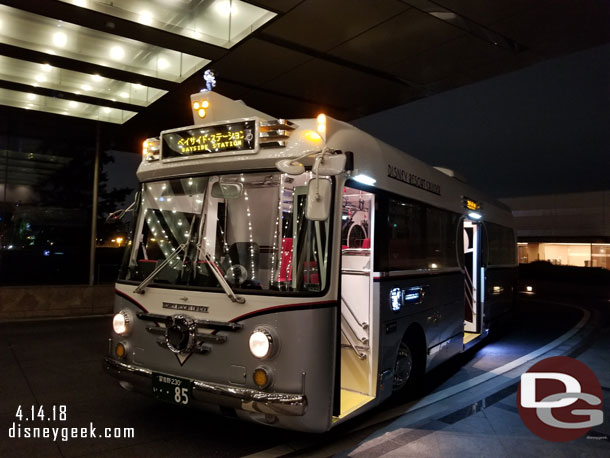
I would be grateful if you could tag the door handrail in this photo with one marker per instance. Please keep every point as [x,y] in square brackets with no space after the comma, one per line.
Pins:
[356,271]
[364,325]
[351,344]
[364,339]
[469,302]
[467,278]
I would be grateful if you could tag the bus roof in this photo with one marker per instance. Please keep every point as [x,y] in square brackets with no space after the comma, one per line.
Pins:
[393,170]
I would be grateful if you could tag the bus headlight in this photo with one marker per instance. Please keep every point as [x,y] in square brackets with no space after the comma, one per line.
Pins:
[122,322]
[261,343]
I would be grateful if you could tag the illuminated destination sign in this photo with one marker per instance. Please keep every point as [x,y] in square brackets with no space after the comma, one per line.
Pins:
[470,204]
[237,136]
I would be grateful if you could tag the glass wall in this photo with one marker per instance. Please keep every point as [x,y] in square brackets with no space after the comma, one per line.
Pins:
[46,181]
[566,254]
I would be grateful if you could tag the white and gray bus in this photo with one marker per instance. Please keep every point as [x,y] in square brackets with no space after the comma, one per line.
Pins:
[297,273]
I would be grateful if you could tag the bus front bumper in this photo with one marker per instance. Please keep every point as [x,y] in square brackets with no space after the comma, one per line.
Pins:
[212,393]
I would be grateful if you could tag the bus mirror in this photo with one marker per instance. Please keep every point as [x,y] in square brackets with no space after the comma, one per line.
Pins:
[290,166]
[115,217]
[318,199]
[227,190]
[118,215]
[330,165]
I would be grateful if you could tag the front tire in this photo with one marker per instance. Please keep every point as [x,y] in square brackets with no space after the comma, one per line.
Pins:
[403,368]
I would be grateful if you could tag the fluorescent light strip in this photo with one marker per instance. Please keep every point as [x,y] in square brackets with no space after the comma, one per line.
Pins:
[63,107]
[47,76]
[220,23]
[50,36]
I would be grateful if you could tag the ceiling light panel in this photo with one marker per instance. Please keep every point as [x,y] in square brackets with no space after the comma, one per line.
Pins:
[65,107]
[47,76]
[39,33]
[218,22]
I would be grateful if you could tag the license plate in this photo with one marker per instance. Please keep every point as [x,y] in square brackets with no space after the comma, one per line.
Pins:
[172,389]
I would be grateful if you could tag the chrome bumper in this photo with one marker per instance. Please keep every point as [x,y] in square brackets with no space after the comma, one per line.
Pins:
[213,393]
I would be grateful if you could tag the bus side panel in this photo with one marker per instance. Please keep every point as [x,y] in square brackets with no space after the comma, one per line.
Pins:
[438,314]
[499,294]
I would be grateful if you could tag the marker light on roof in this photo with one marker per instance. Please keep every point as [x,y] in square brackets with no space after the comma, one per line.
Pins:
[321,123]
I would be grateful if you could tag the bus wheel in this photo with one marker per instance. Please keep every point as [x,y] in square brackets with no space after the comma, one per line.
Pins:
[403,367]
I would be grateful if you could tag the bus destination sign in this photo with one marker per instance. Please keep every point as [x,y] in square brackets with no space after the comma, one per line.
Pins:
[236,136]
[471,204]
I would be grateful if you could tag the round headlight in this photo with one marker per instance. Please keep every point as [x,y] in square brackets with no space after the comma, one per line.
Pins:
[261,343]
[122,322]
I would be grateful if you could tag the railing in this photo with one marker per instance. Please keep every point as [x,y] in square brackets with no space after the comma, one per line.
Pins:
[364,325]
[469,291]
[360,351]
[361,355]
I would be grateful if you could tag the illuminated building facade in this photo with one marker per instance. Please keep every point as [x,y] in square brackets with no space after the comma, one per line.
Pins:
[564,229]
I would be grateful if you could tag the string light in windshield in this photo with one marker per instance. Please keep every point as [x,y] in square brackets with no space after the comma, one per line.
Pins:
[253,275]
[277,229]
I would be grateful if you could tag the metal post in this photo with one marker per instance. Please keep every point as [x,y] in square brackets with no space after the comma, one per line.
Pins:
[96,179]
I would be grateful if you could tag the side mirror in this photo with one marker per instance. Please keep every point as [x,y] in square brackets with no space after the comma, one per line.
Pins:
[118,215]
[227,190]
[115,217]
[290,166]
[329,164]
[318,199]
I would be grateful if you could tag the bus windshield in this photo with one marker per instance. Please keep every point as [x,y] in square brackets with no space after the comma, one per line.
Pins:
[252,226]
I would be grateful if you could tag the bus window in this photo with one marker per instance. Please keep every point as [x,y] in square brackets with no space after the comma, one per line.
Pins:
[413,235]
[259,237]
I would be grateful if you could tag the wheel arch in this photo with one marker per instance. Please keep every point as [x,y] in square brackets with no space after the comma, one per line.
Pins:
[415,337]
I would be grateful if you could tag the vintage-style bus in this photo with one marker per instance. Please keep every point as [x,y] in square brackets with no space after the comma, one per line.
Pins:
[297,273]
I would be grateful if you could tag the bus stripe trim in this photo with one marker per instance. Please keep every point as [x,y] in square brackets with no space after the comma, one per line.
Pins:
[284,308]
[129,299]
[416,275]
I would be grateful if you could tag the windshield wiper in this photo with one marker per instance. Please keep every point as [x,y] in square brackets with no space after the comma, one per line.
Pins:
[159,268]
[221,279]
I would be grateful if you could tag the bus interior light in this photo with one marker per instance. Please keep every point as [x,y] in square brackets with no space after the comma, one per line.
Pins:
[474,215]
[365,179]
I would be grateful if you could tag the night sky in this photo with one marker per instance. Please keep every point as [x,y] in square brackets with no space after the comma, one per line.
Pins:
[541,130]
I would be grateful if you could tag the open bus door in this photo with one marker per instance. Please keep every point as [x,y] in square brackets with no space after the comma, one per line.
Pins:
[358,331]
[474,279]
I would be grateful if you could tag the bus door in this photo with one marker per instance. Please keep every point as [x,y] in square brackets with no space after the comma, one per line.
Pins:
[473,280]
[358,355]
